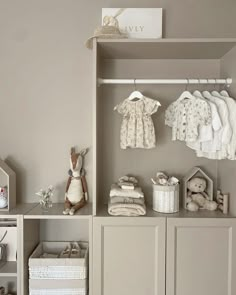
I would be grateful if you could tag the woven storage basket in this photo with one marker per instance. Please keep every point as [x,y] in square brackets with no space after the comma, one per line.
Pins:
[49,276]
[166,198]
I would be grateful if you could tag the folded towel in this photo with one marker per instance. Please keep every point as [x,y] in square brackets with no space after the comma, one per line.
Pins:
[116,191]
[126,200]
[125,186]
[123,209]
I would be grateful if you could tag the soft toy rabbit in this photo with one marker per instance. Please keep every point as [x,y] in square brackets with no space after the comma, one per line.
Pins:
[76,194]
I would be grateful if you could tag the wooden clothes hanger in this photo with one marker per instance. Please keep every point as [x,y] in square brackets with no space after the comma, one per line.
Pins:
[135,93]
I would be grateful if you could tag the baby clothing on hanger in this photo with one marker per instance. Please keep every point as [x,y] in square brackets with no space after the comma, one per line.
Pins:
[185,116]
[224,135]
[137,129]
[209,139]
[231,103]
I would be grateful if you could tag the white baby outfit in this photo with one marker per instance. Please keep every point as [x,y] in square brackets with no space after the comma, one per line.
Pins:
[231,104]
[225,133]
[206,122]
[137,129]
[209,134]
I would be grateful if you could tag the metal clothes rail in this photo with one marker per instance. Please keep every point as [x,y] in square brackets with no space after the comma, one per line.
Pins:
[211,81]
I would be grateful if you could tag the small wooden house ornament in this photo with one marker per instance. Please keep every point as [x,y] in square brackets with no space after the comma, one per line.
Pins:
[223,202]
[8,181]
[197,172]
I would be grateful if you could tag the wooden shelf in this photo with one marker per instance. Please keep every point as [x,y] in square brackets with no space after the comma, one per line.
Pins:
[208,48]
[56,212]
[19,209]
[102,212]
[8,269]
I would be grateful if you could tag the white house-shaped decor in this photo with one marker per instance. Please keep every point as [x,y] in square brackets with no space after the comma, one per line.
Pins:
[197,172]
[8,180]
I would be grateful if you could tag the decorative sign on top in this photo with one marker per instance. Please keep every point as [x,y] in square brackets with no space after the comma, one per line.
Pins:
[136,22]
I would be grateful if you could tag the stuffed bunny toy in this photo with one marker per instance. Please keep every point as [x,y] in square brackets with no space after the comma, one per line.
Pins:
[76,194]
[197,198]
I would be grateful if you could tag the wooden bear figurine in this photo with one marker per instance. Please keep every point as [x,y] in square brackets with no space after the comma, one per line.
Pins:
[76,194]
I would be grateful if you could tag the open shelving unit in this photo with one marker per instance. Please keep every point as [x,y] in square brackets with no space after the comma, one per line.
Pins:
[126,59]
[142,59]
[41,226]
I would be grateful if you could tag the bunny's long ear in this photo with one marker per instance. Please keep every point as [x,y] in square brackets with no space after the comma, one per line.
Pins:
[72,150]
[84,152]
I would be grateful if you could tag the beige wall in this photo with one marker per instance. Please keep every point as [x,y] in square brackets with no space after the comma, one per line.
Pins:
[45,77]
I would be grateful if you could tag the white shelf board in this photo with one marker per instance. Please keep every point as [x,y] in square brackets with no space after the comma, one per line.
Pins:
[56,212]
[22,208]
[8,269]
[102,212]
[207,48]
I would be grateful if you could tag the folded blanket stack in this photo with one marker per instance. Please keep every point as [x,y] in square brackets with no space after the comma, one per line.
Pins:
[126,198]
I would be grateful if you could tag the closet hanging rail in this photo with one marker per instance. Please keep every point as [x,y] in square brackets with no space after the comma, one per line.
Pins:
[227,81]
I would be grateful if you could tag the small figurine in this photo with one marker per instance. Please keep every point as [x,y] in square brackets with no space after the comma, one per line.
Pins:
[76,194]
[223,202]
[3,197]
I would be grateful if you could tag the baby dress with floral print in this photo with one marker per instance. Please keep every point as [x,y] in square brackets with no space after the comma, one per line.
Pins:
[137,129]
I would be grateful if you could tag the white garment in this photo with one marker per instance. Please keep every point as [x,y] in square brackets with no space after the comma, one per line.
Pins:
[225,133]
[231,103]
[209,132]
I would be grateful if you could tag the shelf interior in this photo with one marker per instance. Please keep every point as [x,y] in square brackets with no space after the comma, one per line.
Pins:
[8,269]
[165,48]
[56,212]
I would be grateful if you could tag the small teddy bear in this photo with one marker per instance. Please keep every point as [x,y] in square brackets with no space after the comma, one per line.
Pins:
[197,198]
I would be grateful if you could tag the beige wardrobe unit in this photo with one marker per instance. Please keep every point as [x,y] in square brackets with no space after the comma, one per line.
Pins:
[201,256]
[129,256]
[179,254]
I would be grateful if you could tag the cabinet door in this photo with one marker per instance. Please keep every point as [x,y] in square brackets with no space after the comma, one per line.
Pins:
[201,256]
[129,256]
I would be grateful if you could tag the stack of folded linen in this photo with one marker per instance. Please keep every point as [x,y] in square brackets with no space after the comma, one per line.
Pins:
[126,198]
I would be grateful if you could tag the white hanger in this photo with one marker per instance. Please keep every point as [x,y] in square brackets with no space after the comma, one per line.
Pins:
[198,93]
[186,94]
[135,93]
[207,94]
[216,93]
[224,93]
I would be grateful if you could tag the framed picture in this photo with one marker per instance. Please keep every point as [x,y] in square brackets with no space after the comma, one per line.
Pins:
[137,22]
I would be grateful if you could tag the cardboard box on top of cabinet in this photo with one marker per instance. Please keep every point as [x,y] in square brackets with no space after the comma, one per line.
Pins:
[137,22]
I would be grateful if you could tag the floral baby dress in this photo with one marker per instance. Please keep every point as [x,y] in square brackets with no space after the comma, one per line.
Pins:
[137,129]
